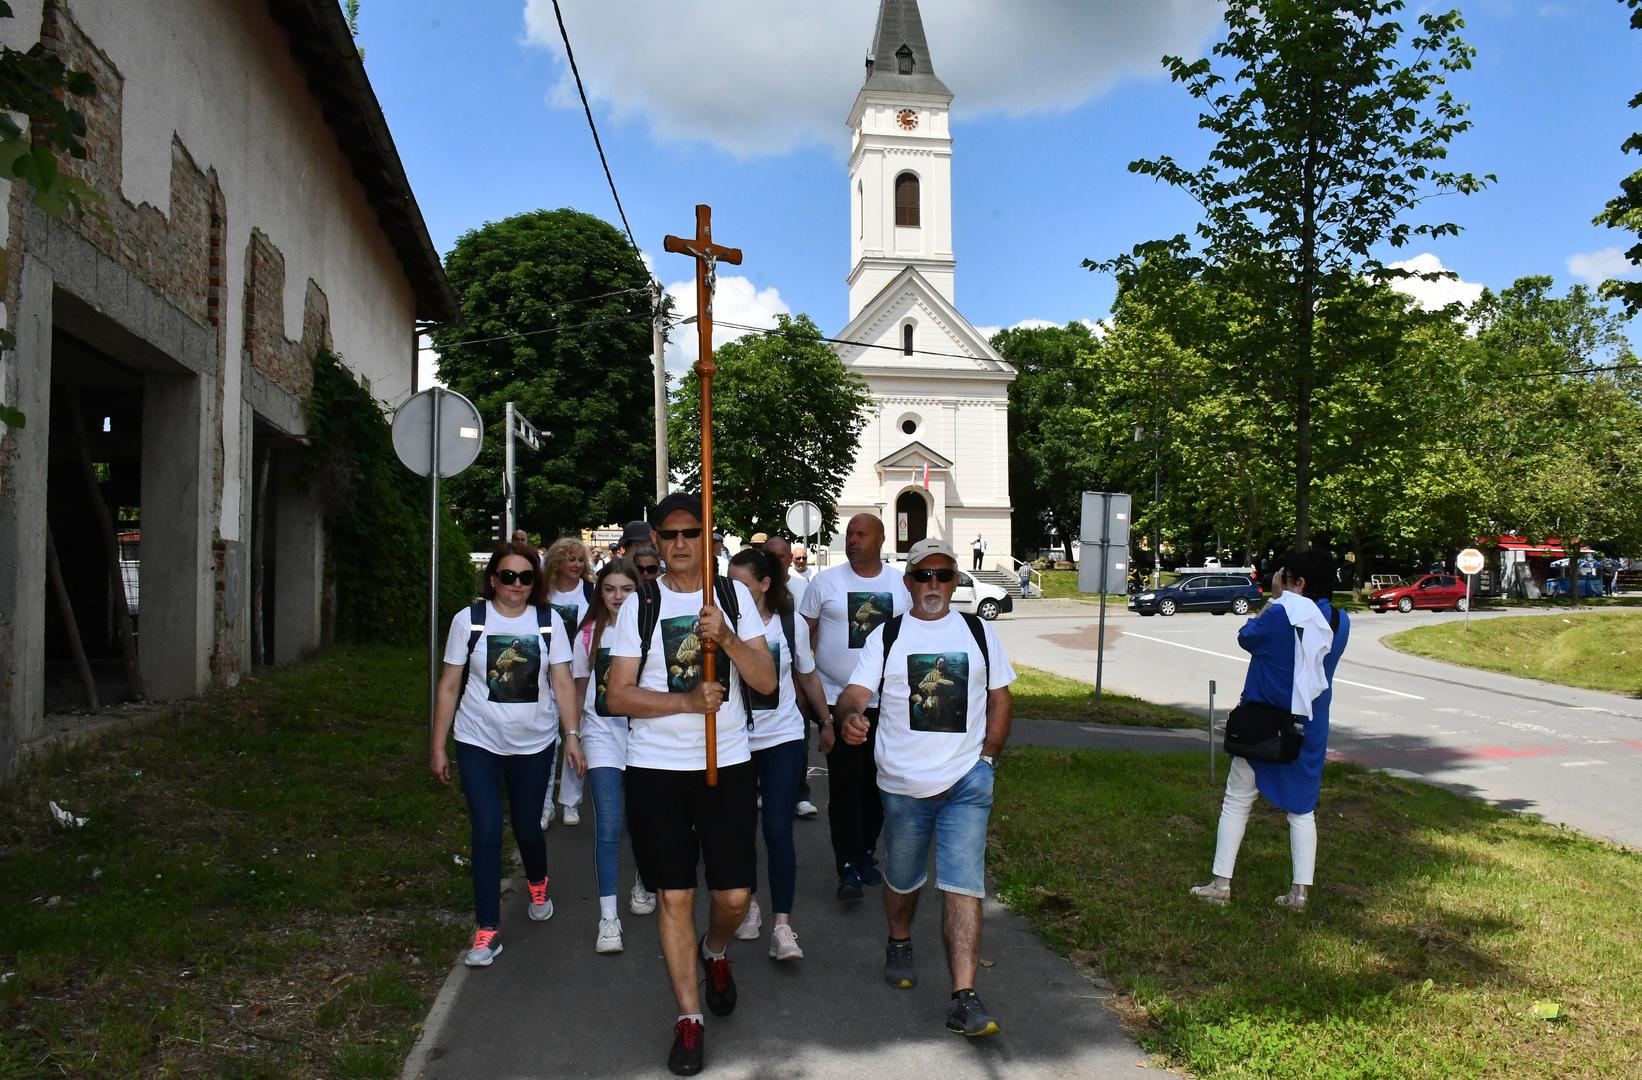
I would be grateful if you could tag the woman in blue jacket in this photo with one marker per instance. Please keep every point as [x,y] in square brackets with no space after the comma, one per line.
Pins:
[1269,638]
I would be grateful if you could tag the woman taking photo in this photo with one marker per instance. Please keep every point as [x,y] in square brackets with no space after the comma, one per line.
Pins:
[1294,645]
[507,664]
[604,748]
[570,593]
[776,739]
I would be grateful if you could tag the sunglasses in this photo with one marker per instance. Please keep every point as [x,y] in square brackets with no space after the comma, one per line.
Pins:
[649,569]
[926,576]
[522,577]
[674,534]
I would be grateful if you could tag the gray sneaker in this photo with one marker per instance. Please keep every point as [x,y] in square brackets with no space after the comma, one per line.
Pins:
[898,969]
[968,1016]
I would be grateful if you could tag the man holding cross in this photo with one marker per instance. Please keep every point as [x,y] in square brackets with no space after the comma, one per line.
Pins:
[676,815]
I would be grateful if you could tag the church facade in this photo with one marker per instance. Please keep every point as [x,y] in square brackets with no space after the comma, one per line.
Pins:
[934,456]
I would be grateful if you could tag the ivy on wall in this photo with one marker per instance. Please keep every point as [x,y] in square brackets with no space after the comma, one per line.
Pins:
[376,518]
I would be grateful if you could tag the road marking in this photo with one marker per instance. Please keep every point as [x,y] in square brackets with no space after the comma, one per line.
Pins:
[1244,660]
[1579,764]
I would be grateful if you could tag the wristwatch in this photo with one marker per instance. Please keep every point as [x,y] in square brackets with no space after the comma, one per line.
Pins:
[577,734]
[991,762]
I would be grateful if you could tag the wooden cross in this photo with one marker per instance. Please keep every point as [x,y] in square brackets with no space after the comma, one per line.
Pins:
[707,256]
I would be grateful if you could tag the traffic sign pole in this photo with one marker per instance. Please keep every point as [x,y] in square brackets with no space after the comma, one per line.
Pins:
[1470,562]
[433,562]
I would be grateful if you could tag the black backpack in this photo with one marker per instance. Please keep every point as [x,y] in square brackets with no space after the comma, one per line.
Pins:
[977,630]
[476,617]
[649,601]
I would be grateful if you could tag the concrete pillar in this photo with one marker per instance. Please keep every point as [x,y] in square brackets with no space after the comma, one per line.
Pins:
[178,589]
[26,376]
[298,549]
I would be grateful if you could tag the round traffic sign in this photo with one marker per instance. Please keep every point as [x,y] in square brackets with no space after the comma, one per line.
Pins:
[804,519]
[1470,561]
[461,432]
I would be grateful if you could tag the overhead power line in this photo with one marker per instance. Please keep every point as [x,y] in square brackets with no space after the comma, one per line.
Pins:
[570,55]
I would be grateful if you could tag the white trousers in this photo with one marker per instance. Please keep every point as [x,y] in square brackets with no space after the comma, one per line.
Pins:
[1241,791]
[569,788]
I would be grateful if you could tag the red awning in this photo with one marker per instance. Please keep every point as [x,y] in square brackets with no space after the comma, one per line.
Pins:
[1548,546]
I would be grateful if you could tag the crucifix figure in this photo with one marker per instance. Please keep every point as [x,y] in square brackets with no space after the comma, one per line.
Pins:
[707,255]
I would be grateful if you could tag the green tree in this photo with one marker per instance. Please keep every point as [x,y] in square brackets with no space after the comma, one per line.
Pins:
[787,420]
[555,318]
[1330,128]
[1624,211]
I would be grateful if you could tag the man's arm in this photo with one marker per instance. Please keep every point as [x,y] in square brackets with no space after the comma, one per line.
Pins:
[852,720]
[628,699]
[1000,715]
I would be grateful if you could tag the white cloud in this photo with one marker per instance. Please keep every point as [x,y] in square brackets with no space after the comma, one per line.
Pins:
[737,300]
[1097,327]
[1433,295]
[763,76]
[427,364]
[1598,266]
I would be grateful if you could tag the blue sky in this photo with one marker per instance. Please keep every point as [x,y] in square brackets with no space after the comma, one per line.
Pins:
[1053,98]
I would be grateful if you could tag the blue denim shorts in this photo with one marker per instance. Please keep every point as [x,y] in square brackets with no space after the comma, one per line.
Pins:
[956,820]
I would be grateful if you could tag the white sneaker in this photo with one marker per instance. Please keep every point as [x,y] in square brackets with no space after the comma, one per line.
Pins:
[572,815]
[784,943]
[541,905]
[609,936]
[547,814]
[748,930]
[485,949]
[805,809]
[641,901]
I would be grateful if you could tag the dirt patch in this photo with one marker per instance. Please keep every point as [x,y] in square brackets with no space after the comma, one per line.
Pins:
[1084,637]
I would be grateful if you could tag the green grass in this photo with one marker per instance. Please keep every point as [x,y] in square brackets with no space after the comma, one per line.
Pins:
[266,886]
[1436,924]
[1597,652]
[1040,695]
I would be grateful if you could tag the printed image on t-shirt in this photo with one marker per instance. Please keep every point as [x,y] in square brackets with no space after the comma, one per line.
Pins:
[685,657]
[867,611]
[513,667]
[772,699]
[567,614]
[601,682]
[940,691]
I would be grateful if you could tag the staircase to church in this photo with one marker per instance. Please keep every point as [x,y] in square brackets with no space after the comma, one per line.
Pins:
[1003,579]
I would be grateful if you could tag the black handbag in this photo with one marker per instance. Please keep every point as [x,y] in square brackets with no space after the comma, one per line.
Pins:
[1261,732]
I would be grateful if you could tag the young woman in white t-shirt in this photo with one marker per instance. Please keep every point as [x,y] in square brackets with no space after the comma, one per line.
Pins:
[777,741]
[569,580]
[604,747]
[497,690]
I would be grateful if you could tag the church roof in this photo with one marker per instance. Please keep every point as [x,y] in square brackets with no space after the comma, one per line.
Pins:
[912,456]
[863,344]
[899,60]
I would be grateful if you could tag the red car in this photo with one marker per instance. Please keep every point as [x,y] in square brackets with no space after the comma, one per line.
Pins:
[1427,591]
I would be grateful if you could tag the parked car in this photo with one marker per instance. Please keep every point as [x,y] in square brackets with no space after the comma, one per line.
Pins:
[1218,593]
[1426,591]
[975,597]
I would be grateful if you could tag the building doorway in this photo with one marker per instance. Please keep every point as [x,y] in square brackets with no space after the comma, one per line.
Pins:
[911,520]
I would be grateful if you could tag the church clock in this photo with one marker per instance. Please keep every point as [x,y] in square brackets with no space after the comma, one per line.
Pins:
[907,119]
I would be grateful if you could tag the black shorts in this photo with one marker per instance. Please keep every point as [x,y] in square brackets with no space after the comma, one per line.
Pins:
[676,819]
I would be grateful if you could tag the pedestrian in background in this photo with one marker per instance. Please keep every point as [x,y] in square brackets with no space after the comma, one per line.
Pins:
[570,584]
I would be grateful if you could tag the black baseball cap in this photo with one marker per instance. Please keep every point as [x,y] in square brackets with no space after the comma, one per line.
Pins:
[636,531]
[678,500]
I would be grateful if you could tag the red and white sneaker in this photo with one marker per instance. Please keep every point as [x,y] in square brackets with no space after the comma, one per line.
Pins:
[541,907]
[484,950]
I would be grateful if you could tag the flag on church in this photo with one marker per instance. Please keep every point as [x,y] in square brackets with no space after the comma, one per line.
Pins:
[926,475]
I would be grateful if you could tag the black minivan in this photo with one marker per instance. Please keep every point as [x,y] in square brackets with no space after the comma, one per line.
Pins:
[1218,593]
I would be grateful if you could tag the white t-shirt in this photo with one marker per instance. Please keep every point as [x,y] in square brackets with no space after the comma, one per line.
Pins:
[604,734]
[849,607]
[678,741]
[776,718]
[932,721]
[798,586]
[570,606]
[507,706]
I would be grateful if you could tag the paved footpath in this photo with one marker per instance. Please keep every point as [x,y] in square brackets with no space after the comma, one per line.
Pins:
[551,1007]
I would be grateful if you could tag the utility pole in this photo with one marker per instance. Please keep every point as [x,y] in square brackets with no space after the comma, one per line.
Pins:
[524,429]
[658,347]
[1156,435]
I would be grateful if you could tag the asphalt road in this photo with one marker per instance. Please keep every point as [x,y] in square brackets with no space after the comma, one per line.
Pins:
[1571,756]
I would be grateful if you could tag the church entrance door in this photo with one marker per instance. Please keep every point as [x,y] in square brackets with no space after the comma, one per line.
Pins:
[911,520]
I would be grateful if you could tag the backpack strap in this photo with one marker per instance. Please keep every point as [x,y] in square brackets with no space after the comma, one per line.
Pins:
[977,630]
[587,592]
[476,624]
[892,630]
[649,601]
[789,630]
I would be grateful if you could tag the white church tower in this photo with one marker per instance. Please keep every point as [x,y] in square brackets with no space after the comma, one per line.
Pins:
[934,457]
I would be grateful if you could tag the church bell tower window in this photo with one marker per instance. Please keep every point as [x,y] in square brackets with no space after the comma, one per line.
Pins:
[906,201]
[906,340]
[903,60]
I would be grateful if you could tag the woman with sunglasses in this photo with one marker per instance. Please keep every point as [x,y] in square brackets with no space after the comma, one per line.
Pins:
[647,561]
[604,747]
[570,585]
[507,663]
[776,739]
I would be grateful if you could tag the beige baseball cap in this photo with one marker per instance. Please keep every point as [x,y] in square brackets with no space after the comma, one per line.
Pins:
[758,538]
[923,549]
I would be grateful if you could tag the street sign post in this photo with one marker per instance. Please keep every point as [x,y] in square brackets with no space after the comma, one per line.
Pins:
[1104,532]
[515,425]
[803,519]
[436,433]
[1470,563]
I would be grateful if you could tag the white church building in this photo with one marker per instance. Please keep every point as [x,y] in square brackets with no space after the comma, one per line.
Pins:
[934,456]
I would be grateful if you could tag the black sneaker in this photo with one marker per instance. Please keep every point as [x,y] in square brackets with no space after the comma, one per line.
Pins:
[720,983]
[967,1016]
[870,874]
[898,969]
[688,1039]
[849,883]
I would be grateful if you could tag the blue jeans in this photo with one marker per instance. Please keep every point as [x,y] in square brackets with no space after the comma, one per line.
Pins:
[779,769]
[527,777]
[605,787]
[956,820]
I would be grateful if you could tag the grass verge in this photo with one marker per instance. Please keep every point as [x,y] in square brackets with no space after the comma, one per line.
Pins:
[1040,695]
[1437,924]
[265,888]
[1597,652]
